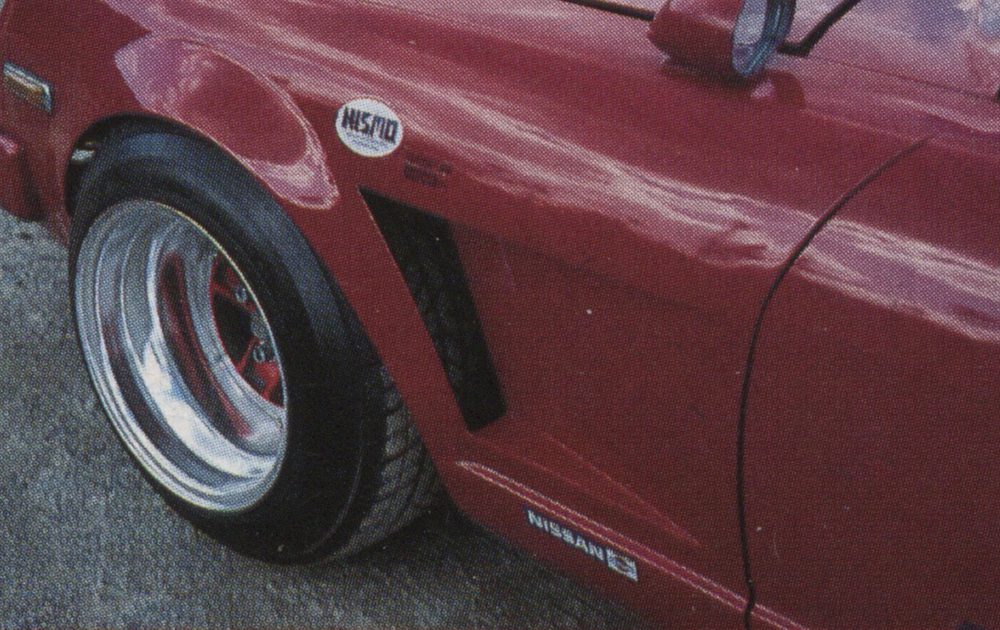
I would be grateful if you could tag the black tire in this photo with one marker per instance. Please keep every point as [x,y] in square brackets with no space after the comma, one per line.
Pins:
[354,470]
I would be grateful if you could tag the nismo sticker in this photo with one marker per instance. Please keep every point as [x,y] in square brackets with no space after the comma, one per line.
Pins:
[614,560]
[369,128]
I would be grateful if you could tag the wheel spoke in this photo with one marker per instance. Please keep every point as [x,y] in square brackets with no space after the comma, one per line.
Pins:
[226,285]
[245,362]
[262,374]
[270,376]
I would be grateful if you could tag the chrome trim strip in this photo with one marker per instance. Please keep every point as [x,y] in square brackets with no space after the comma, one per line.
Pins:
[28,87]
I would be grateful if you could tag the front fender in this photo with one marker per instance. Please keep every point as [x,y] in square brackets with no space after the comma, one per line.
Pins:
[246,114]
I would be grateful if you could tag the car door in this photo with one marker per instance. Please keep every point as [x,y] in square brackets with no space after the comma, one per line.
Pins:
[871,429]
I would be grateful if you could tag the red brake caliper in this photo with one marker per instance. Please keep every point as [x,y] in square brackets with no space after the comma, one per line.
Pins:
[255,361]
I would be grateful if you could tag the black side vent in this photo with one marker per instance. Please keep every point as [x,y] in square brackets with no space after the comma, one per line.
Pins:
[423,247]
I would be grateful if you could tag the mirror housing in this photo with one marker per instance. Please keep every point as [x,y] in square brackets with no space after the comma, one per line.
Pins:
[730,38]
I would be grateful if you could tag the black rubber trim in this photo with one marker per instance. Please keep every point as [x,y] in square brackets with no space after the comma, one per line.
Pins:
[803,47]
[616,8]
[752,357]
[473,380]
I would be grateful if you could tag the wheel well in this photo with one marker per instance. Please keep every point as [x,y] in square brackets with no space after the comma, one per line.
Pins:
[90,142]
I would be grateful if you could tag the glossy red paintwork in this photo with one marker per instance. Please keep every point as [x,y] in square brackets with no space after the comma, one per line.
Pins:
[621,221]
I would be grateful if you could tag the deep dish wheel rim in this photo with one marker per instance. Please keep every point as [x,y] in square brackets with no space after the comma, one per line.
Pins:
[160,330]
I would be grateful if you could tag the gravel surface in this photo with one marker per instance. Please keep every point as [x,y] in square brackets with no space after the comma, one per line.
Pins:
[84,542]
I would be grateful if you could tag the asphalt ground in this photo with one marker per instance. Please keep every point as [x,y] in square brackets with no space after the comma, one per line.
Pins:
[84,541]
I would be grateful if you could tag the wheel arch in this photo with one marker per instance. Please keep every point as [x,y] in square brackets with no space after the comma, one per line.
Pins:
[92,139]
[192,90]
[477,406]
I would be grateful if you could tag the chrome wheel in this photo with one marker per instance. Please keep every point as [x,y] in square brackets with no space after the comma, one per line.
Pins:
[182,355]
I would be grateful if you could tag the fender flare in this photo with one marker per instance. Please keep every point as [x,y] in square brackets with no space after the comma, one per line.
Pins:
[194,87]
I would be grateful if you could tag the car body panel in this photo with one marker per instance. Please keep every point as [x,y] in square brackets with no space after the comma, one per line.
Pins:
[621,221]
[882,345]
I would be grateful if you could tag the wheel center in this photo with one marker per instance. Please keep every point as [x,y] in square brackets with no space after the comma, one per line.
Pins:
[243,331]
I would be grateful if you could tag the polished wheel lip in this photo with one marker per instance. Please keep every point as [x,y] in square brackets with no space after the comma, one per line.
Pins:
[146,374]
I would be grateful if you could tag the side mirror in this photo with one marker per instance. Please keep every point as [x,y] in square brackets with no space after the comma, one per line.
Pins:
[732,38]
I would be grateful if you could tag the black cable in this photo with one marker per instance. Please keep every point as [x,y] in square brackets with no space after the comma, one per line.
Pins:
[803,47]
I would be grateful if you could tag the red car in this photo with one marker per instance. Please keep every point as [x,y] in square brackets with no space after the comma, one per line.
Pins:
[698,302]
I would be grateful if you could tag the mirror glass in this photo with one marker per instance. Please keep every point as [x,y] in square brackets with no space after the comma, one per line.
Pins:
[760,29]
[748,34]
